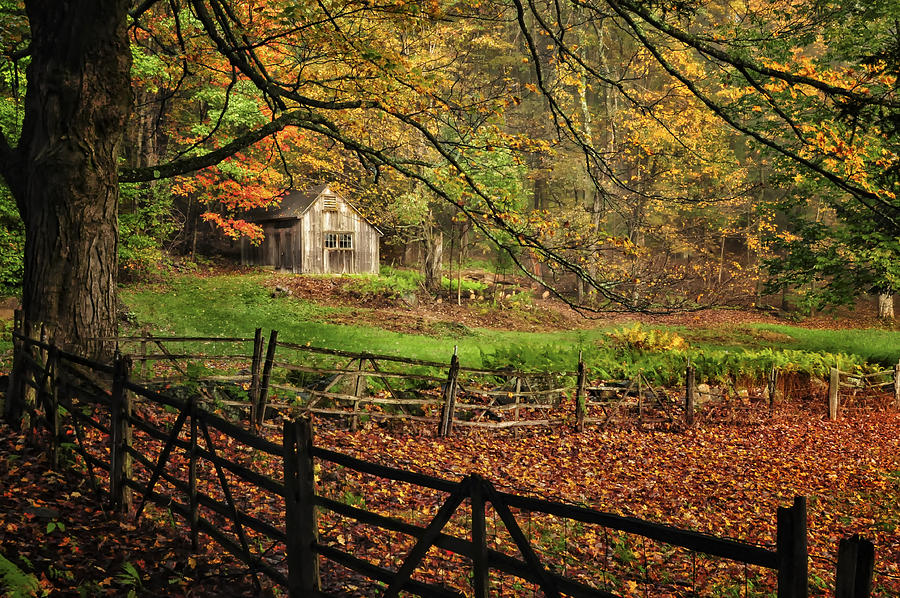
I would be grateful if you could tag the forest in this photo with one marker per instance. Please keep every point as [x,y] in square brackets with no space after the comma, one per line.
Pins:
[631,156]
[632,333]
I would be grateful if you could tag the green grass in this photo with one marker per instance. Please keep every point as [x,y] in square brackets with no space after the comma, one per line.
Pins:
[238,304]
[871,344]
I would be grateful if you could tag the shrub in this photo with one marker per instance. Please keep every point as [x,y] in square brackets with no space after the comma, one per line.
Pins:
[391,282]
[640,339]
[145,223]
[12,244]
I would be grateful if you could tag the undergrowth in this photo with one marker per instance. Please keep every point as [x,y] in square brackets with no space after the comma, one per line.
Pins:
[238,304]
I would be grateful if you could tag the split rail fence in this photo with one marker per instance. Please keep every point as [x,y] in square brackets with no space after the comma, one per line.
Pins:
[274,377]
[847,390]
[265,507]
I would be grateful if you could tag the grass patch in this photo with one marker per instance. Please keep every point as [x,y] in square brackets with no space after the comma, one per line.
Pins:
[870,344]
[238,304]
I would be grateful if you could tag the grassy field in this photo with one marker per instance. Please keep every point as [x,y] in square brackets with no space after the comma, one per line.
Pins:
[236,304]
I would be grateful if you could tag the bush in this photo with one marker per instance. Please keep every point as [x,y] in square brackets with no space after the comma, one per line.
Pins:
[637,338]
[468,286]
[12,244]
[390,282]
[145,224]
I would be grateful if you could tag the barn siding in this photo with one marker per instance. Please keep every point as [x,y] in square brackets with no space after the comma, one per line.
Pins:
[300,247]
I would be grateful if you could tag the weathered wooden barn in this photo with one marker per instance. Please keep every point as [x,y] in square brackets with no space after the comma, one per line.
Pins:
[313,232]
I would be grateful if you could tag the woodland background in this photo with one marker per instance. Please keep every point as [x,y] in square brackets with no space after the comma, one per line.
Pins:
[670,155]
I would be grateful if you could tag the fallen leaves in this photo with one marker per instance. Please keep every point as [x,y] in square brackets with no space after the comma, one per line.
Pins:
[53,528]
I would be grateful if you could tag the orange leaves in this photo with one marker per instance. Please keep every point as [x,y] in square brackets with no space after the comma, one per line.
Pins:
[235,228]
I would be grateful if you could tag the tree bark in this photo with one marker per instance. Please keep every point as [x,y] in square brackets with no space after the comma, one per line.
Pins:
[76,107]
[886,306]
[433,244]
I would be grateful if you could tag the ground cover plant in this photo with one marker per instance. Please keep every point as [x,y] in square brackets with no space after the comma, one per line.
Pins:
[726,479]
[339,313]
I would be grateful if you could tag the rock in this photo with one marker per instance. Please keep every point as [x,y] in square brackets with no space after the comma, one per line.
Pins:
[703,393]
[410,299]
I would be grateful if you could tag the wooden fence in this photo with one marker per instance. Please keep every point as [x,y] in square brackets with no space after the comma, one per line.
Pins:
[853,387]
[286,378]
[137,440]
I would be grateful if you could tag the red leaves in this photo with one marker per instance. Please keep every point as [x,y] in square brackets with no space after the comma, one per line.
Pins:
[52,526]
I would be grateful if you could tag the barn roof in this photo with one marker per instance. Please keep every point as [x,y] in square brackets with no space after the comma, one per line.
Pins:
[293,204]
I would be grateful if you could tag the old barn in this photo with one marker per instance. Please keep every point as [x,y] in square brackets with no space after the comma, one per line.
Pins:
[313,232]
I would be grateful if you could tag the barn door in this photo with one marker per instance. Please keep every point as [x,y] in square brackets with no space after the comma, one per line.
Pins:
[339,261]
[279,251]
[287,251]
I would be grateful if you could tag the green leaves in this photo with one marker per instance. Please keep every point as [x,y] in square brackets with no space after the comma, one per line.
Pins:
[15,582]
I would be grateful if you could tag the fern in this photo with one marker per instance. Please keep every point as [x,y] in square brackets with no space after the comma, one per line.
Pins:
[14,582]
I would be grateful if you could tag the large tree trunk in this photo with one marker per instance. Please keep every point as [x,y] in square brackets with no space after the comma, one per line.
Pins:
[886,306]
[76,107]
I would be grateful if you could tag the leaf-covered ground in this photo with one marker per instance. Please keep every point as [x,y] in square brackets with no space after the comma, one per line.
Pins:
[54,530]
[724,479]
[727,480]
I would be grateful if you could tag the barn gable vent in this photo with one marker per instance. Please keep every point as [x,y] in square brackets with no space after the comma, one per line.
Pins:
[329,202]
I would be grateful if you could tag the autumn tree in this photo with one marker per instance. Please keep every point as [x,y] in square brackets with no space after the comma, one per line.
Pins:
[334,69]
[788,77]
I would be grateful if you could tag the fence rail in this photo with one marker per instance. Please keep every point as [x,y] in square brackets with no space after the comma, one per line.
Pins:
[165,450]
[850,386]
[283,378]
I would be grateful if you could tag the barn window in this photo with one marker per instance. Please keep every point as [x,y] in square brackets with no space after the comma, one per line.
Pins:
[338,240]
[329,203]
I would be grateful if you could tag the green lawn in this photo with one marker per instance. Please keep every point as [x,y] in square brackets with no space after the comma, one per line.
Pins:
[228,305]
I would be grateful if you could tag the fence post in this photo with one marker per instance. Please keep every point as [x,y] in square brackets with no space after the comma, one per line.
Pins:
[793,558]
[300,512]
[143,370]
[897,386]
[690,389]
[120,437]
[358,389]
[481,571]
[855,565]
[264,382]
[773,384]
[12,406]
[580,395]
[51,403]
[450,396]
[254,372]
[834,383]
[193,503]
[517,398]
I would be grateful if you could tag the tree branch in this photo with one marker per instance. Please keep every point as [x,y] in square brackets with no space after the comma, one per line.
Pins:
[876,205]
[622,5]
[177,167]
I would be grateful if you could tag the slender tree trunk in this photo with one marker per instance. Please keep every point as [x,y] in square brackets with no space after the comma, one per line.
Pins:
[433,243]
[886,306]
[76,106]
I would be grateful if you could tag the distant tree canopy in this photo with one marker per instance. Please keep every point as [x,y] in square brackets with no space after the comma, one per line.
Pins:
[652,134]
